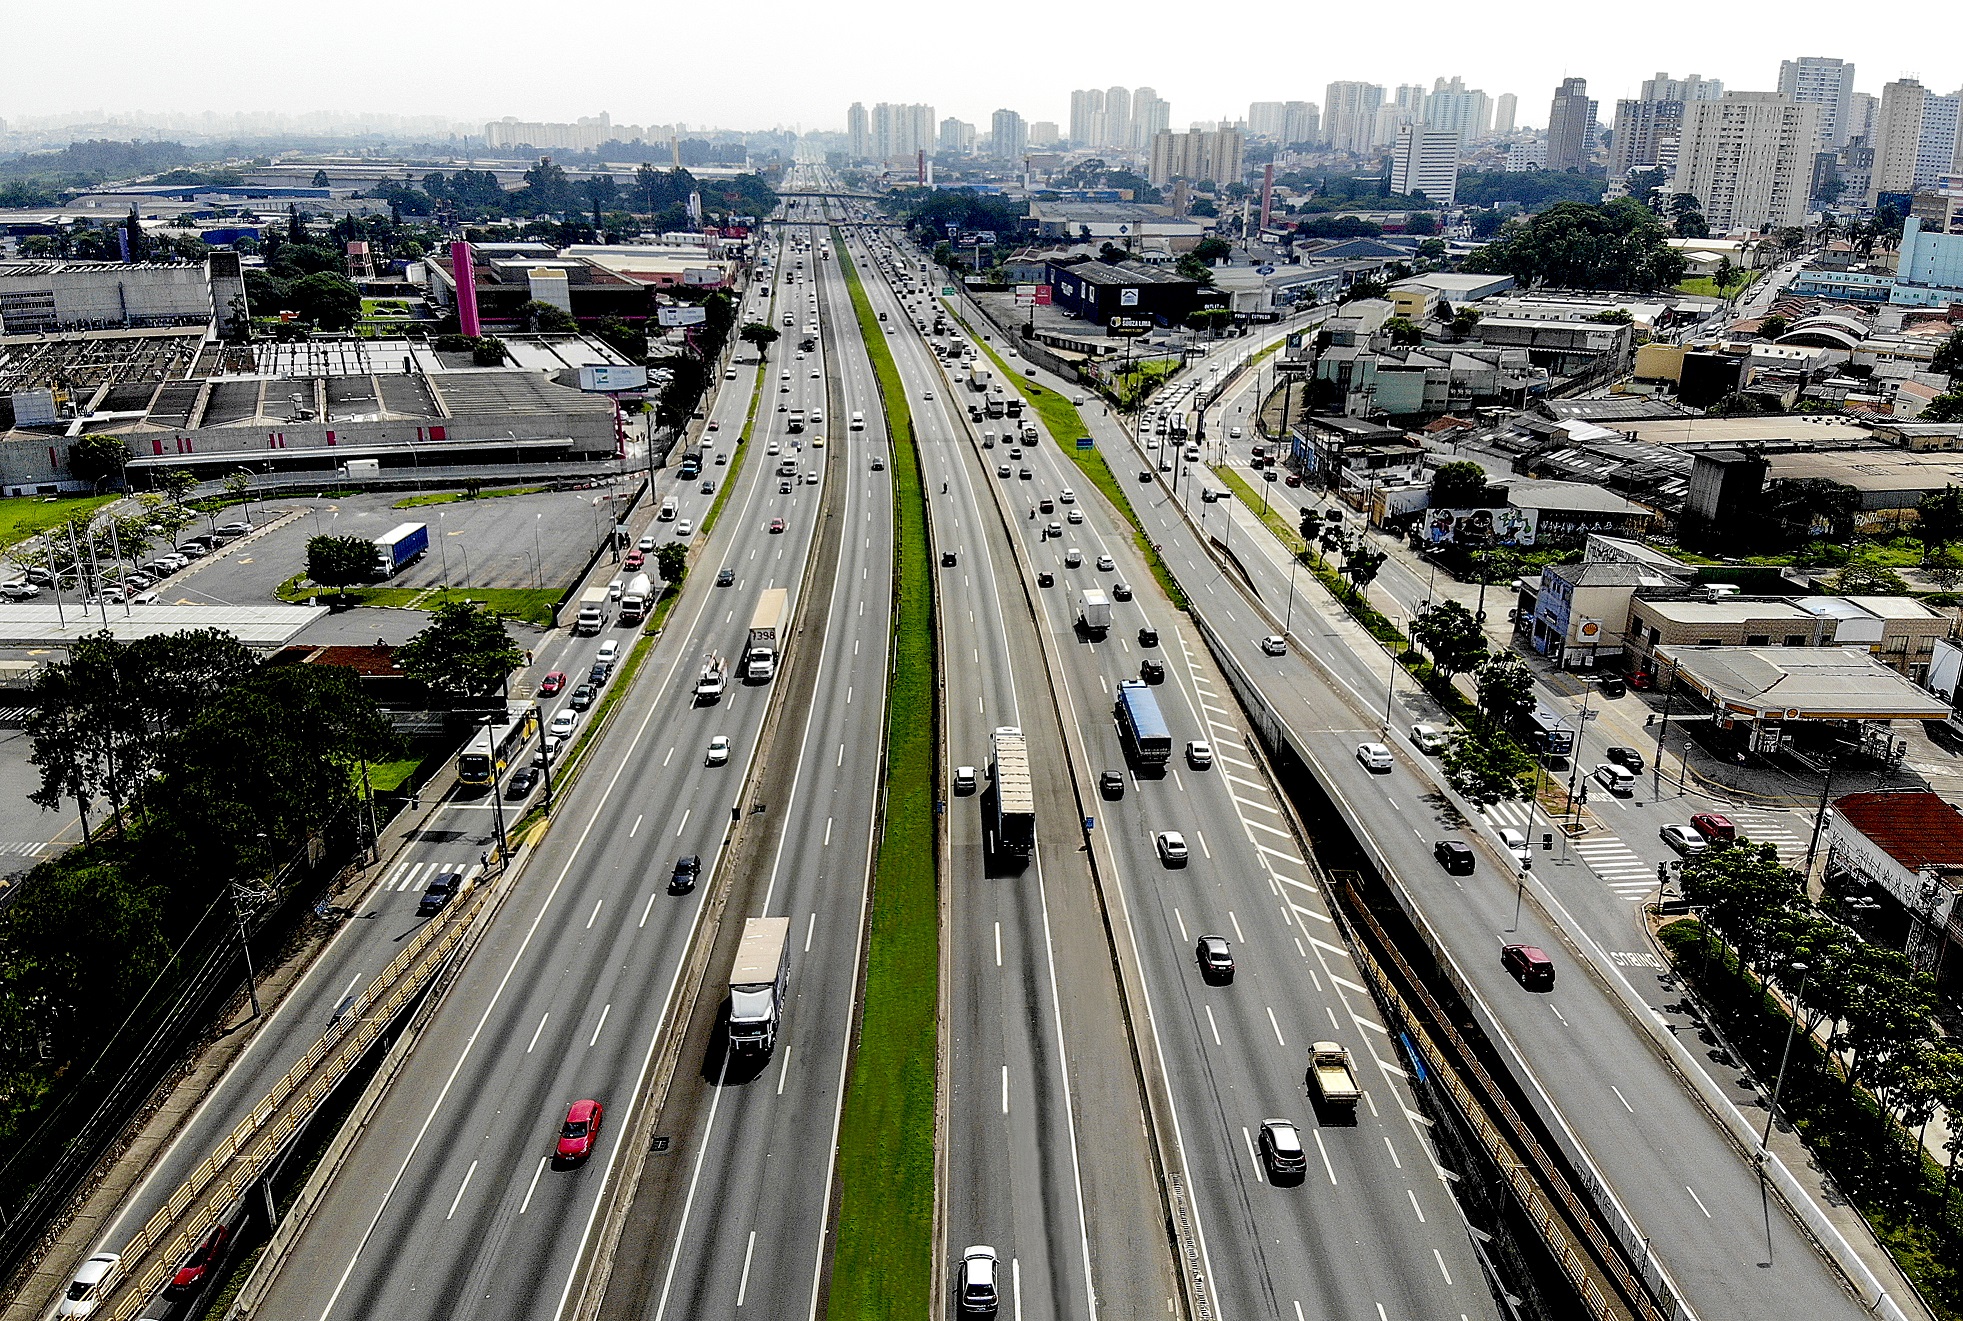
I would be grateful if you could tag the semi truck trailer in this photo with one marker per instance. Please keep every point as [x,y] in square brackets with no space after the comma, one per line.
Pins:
[758,984]
[1015,794]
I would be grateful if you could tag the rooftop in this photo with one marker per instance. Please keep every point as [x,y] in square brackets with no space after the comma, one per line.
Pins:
[263,627]
[1126,273]
[1916,828]
[1576,497]
[1801,683]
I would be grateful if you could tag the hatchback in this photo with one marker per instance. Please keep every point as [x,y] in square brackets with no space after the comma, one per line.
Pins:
[552,683]
[582,697]
[1281,1149]
[1199,754]
[440,892]
[1074,516]
[579,1132]
[1275,645]
[634,560]
[1121,590]
[645,544]
[1215,957]
[1073,558]
[562,724]
[964,779]
[1529,965]
[687,868]
[1111,784]
[85,1290]
[522,782]
[198,1265]
[725,576]
[718,750]
[1152,670]
[776,525]
[1627,758]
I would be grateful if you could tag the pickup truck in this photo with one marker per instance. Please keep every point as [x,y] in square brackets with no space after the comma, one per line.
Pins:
[1332,1076]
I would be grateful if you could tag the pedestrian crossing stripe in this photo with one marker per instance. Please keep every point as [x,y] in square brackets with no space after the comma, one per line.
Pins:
[416,876]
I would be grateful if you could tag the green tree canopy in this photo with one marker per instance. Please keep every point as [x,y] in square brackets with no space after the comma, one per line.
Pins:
[1404,331]
[1572,245]
[1487,767]
[760,335]
[671,560]
[1506,691]
[1949,356]
[544,318]
[327,300]
[462,652]
[1460,484]
[1939,517]
[1451,637]
[97,457]
[340,562]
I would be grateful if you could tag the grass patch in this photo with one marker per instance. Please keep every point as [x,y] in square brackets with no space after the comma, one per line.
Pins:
[23,516]
[886,1139]
[533,605]
[453,497]
[386,775]
[1705,285]
[735,460]
[1065,425]
[1878,1164]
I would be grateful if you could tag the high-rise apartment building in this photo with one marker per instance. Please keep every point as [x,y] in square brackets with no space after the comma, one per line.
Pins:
[1570,124]
[858,132]
[1506,113]
[1406,106]
[1748,159]
[1349,115]
[1426,160]
[1117,117]
[1641,130]
[1008,136]
[900,131]
[1197,156]
[1087,117]
[1827,83]
[1150,117]
[1456,108]
[1690,87]
[957,136]
[1915,138]
[1264,118]
[1301,121]
[1043,133]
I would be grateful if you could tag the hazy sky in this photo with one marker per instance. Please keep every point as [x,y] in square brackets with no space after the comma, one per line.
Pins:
[770,63]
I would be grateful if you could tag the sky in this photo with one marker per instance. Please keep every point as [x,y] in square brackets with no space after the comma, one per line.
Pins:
[770,63]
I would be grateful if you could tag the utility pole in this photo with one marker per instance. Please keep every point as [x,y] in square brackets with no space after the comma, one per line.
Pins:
[1819,818]
[245,948]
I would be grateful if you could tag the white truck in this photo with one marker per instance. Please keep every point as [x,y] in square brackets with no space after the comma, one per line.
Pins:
[635,599]
[758,984]
[715,679]
[766,634]
[593,605]
[1014,807]
[1094,611]
[1333,1076]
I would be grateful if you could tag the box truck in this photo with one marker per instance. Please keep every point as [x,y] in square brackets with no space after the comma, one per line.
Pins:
[766,629]
[1094,611]
[1014,811]
[592,610]
[758,984]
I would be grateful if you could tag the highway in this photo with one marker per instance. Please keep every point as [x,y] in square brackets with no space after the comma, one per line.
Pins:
[447,1204]
[1598,1077]
[734,1215]
[1373,1224]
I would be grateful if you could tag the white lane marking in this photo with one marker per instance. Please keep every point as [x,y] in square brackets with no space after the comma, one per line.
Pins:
[1440,1258]
[809,928]
[743,1287]
[596,913]
[1392,1147]
[1620,1097]
[1325,1157]
[1237,926]
[473,1169]
[1252,1155]
[533,1186]
[998,944]
[684,825]
[1213,1026]
[1201,836]
[1182,924]
[645,911]
[535,1032]
[1276,1026]
[1005,1089]
[1700,1201]
[604,1011]
[636,829]
[1419,1210]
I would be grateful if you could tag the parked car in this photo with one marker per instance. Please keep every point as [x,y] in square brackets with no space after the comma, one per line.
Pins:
[1429,739]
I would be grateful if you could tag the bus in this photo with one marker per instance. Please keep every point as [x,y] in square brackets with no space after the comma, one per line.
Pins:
[1549,735]
[493,748]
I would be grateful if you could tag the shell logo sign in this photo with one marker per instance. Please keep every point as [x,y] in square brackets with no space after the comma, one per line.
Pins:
[1590,630]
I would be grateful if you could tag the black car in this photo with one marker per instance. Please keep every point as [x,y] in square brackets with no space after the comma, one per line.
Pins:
[522,782]
[725,577]
[1111,784]
[1216,958]
[599,674]
[1152,671]
[1045,579]
[948,559]
[1455,855]
[440,892]
[1144,474]
[582,697]
[687,868]
[1025,474]
[1627,758]
[1148,636]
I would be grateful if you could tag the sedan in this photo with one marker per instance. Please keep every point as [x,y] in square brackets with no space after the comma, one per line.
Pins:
[725,576]
[708,488]
[1216,959]
[1281,1149]
[645,544]
[1067,496]
[1121,590]
[718,750]
[1516,843]
[440,892]
[687,868]
[1373,757]
[580,1131]
[976,1293]
[1199,754]
[1627,758]
[1001,470]
[1025,474]
[1430,739]
[85,1290]
[552,683]
[926,394]
[815,373]
[1682,839]
[1111,784]
[1172,848]
[582,697]
[562,724]
[776,525]
[1144,474]
[522,782]
[685,528]
[198,1265]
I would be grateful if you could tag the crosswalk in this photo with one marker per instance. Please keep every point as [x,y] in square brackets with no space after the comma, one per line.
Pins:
[414,877]
[1788,830]
[1626,873]
[23,848]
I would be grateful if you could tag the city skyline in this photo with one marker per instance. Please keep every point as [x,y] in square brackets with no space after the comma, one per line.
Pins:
[781,49]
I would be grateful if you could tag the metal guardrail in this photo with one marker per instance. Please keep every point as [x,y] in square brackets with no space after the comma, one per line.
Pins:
[222,1179]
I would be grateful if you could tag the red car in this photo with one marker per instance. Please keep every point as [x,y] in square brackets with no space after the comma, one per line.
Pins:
[776,525]
[580,1131]
[552,683]
[1714,827]
[635,559]
[196,1266]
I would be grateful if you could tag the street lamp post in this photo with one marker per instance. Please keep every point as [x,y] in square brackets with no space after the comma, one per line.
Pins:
[538,556]
[245,948]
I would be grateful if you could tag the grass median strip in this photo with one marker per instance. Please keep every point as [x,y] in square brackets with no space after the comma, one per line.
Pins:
[881,1266]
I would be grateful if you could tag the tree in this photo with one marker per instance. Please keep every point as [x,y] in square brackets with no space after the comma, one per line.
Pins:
[462,652]
[544,318]
[1451,637]
[1421,223]
[1743,888]
[1487,767]
[136,240]
[1939,518]
[1869,580]
[1614,316]
[671,561]
[1572,245]
[1944,568]
[1949,356]
[488,351]
[1465,321]
[1792,507]
[1772,327]
[1506,691]
[1404,331]
[340,562]
[320,179]
[1687,217]
[98,457]
[758,334]
[1944,408]
[1212,248]
[1364,289]
[327,300]
[1722,277]
[1460,484]
[1789,239]
[1643,185]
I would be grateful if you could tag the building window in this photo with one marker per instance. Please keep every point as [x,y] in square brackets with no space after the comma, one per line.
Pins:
[1756,639]
[1710,642]
[1795,639]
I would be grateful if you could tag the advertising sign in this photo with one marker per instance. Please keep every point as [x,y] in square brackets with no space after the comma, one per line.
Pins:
[1479,528]
[1025,295]
[1129,326]
[684,315]
[607,378]
[1127,298]
[1042,295]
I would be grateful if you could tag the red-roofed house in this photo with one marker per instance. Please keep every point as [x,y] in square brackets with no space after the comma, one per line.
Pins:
[1909,846]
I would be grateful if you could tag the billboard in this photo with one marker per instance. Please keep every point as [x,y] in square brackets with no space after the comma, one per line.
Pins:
[606,378]
[1481,527]
[685,315]
[1128,325]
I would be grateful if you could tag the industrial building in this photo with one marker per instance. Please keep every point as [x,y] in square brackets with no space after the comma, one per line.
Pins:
[37,297]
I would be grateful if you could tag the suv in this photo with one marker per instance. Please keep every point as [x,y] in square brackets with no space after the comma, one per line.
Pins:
[1281,1148]
[1152,670]
[1454,855]
[440,892]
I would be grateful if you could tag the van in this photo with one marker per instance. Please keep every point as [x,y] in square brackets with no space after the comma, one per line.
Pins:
[669,509]
[608,653]
[858,421]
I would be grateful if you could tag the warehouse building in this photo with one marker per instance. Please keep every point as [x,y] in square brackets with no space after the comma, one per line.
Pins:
[1098,291]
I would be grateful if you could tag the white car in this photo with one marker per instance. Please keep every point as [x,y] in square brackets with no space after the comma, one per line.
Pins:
[926,394]
[1373,756]
[718,750]
[1233,433]
[815,374]
[1075,515]
[685,528]
[85,1292]
[1106,564]
[608,653]
[1275,645]
[1429,739]
[1172,847]
[1516,843]
[645,544]
[1067,496]
[1616,779]
[1072,558]
[1200,753]
[562,724]
[615,588]
[772,448]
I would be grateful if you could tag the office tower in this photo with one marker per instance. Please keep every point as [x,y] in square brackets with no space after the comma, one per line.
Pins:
[1197,156]
[1690,87]
[1506,113]
[1301,122]
[858,132]
[1149,117]
[1350,115]
[1117,117]
[1087,117]
[1826,83]
[1454,107]
[1748,159]
[1570,124]
[1426,160]
[1008,136]
[1641,130]
[1264,119]
[1915,138]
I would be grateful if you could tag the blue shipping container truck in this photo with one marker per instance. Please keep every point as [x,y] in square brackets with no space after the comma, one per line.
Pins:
[1147,739]
[404,544]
